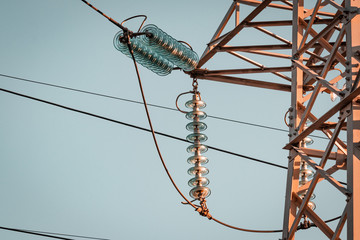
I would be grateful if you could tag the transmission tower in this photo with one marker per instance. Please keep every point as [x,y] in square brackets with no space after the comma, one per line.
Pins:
[322,56]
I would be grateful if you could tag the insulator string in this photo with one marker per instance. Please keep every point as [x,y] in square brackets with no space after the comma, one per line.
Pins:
[152,129]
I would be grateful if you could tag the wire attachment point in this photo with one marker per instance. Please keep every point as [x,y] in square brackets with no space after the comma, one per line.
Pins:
[203,210]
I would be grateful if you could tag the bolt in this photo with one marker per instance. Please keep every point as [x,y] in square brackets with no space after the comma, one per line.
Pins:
[347,62]
[291,117]
[347,78]
[291,109]
[294,133]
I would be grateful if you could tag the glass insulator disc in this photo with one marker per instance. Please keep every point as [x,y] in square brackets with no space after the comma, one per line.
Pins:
[197,159]
[302,194]
[198,181]
[311,205]
[200,192]
[195,103]
[308,173]
[308,141]
[196,137]
[198,170]
[197,147]
[194,126]
[196,114]
[303,181]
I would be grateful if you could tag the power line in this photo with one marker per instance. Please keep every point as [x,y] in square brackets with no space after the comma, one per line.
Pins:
[149,104]
[34,233]
[49,234]
[139,128]
[64,234]
[147,130]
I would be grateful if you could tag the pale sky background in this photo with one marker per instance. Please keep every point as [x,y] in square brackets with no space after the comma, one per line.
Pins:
[65,172]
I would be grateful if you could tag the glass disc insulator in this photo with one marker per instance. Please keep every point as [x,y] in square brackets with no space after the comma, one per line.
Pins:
[195,103]
[196,137]
[196,126]
[198,181]
[197,147]
[198,170]
[308,173]
[197,159]
[200,192]
[303,181]
[302,194]
[311,205]
[308,141]
[196,114]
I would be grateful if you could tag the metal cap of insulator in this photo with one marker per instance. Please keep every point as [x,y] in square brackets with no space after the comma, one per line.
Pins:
[198,181]
[200,192]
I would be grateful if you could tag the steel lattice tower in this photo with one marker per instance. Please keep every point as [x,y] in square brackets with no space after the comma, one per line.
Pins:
[325,37]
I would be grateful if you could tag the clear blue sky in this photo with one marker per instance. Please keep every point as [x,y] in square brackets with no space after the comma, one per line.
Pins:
[65,172]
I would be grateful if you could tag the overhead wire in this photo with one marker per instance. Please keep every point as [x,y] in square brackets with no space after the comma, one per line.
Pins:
[50,234]
[138,127]
[149,104]
[65,234]
[34,233]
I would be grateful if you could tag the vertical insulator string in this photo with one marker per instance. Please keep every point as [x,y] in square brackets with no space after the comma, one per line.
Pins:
[198,183]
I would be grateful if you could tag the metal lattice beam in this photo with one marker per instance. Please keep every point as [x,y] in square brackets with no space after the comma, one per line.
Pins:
[324,37]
